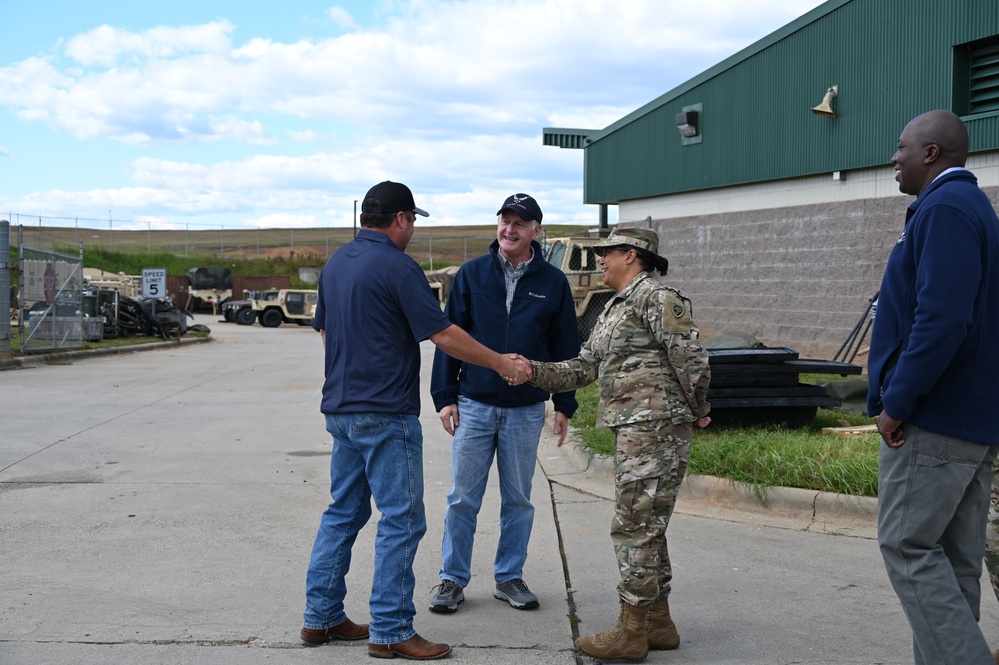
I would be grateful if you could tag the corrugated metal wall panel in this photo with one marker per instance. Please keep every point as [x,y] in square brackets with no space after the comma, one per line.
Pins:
[892,59]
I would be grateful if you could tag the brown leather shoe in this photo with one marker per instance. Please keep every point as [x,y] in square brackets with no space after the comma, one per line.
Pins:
[345,630]
[415,648]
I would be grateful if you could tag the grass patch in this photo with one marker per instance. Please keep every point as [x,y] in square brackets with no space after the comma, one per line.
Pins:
[762,456]
[803,458]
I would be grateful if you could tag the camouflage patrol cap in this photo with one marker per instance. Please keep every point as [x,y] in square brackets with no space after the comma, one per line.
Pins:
[637,237]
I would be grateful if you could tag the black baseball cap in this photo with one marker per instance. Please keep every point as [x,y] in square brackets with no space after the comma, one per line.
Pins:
[392,197]
[524,205]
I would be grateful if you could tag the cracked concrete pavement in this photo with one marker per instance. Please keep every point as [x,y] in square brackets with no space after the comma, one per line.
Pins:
[160,506]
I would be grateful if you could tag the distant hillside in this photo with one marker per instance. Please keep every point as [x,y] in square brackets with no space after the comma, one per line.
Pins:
[251,251]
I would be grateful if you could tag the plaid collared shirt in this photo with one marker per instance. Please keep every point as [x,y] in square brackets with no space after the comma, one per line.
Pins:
[513,275]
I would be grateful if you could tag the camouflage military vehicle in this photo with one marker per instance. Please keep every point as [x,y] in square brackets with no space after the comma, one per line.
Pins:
[576,258]
[284,306]
[208,286]
[233,310]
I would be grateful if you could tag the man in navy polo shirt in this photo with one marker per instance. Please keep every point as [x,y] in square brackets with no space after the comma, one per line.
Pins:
[375,307]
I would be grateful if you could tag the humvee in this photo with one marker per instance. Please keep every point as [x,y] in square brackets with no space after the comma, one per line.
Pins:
[576,258]
[285,306]
[234,310]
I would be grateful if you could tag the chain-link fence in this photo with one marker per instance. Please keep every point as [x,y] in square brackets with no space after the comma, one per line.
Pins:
[51,298]
[54,249]
[433,247]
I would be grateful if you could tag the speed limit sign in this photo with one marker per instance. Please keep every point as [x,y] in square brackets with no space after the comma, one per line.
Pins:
[154,283]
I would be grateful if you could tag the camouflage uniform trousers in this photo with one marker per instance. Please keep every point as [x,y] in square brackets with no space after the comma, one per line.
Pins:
[650,459]
[992,533]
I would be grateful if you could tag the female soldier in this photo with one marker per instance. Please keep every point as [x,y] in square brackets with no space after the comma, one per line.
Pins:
[653,376]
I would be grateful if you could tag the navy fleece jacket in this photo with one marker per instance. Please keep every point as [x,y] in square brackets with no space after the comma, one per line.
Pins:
[934,358]
[541,326]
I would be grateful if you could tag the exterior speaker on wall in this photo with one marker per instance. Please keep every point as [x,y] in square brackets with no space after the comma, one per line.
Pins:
[825,108]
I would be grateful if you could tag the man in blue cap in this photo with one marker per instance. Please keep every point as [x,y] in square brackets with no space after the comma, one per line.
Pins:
[512,301]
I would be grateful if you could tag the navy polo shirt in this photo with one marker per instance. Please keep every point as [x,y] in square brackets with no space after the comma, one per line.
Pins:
[376,307]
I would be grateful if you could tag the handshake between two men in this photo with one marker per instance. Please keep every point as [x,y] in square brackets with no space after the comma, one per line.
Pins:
[517,369]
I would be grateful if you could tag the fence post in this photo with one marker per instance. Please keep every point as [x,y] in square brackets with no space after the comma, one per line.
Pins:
[4,287]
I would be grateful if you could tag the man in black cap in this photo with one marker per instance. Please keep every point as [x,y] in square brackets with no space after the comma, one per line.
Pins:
[513,301]
[375,307]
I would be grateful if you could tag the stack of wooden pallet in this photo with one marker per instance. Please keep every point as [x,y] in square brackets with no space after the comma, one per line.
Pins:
[761,386]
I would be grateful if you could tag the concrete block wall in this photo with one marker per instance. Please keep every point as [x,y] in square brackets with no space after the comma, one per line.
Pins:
[796,276]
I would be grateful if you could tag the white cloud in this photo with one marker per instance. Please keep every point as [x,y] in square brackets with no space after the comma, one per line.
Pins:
[433,71]
[306,136]
[594,117]
[283,220]
[156,223]
[105,45]
[440,95]
[147,223]
[341,18]
[319,188]
[4,152]
[457,164]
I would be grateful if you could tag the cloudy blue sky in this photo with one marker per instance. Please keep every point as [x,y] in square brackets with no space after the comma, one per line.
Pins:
[251,114]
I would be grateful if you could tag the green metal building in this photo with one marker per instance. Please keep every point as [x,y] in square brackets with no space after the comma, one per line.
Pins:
[768,176]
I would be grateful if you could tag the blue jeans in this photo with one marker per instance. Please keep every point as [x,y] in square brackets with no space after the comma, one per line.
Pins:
[933,501]
[512,435]
[376,455]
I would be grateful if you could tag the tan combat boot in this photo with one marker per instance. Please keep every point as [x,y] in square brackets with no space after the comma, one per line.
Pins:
[660,629]
[624,641]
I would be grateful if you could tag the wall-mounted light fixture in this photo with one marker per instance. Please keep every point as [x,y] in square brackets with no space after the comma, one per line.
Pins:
[825,107]
[686,123]
[689,122]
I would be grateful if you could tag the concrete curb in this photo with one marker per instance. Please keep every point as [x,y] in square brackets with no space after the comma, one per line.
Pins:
[63,357]
[573,467]
[820,508]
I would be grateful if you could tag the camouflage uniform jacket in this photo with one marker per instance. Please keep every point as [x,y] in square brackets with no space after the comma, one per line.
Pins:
[645,353]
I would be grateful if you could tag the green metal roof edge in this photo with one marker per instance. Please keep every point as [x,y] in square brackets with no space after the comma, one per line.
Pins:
[729,62]
[568,131]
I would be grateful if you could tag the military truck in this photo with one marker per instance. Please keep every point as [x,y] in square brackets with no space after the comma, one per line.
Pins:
[233,310]
[127,286]
[284,306]
[576,258]
[208,286]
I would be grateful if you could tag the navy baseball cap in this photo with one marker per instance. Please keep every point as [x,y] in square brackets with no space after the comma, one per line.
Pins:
[392,197]
[523,205]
